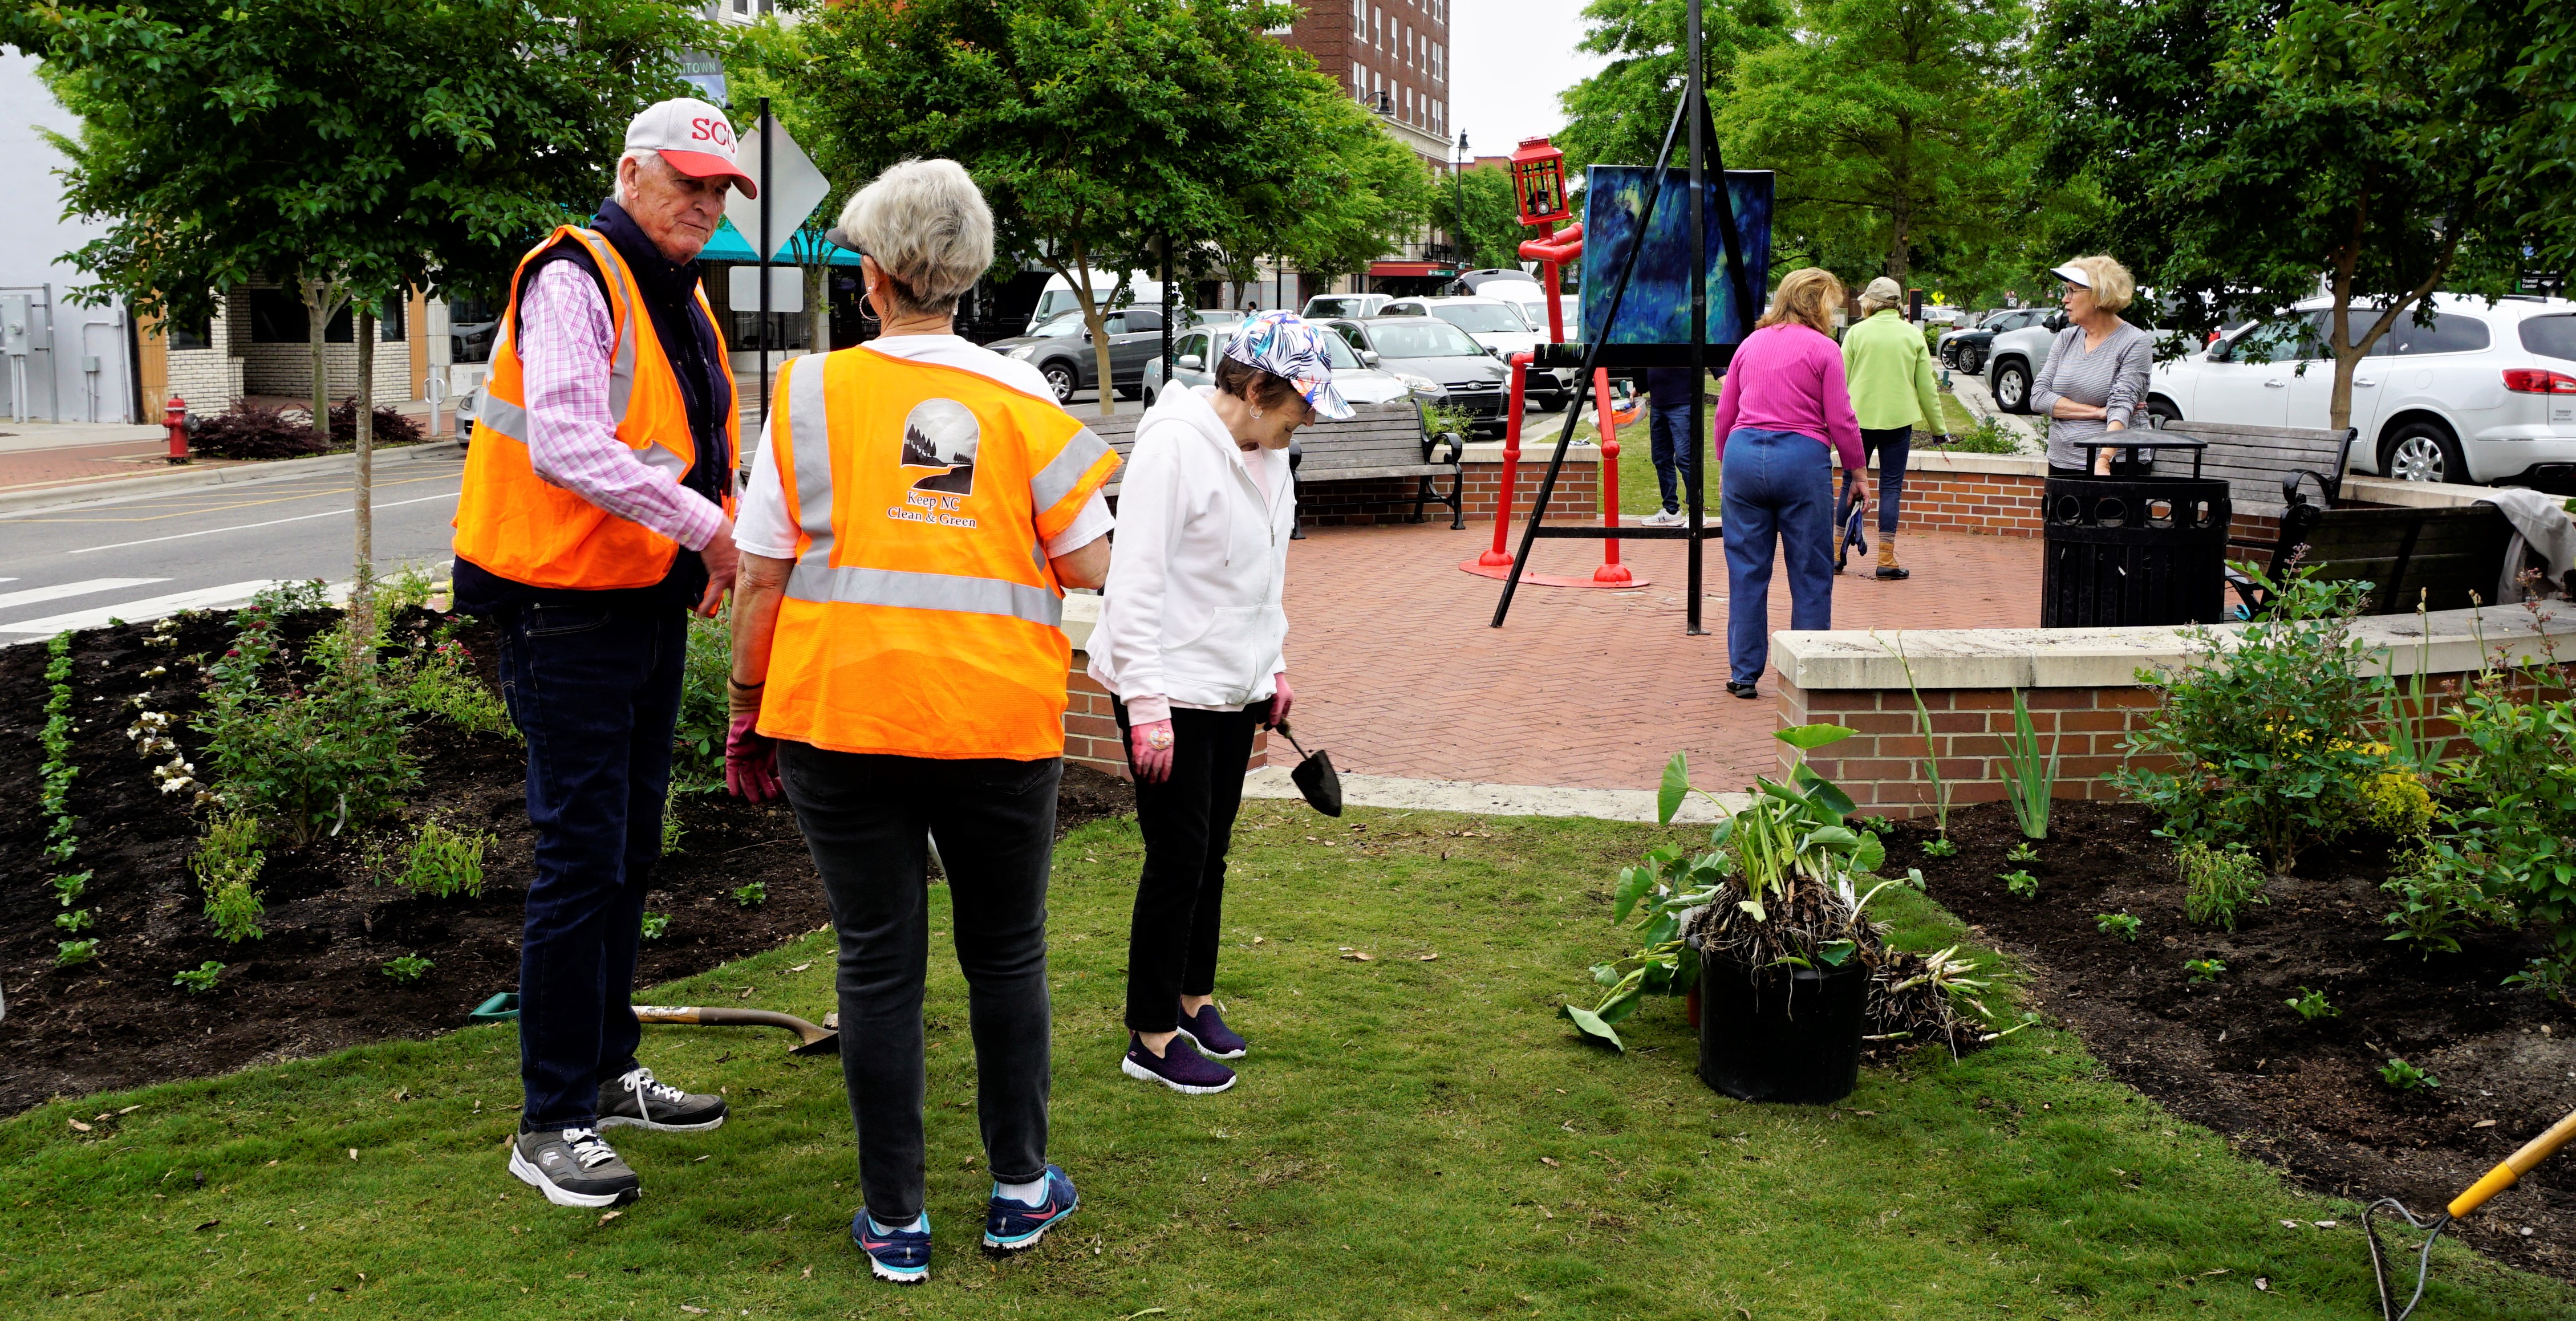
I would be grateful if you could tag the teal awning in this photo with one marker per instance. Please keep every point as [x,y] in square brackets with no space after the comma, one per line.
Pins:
[730,245]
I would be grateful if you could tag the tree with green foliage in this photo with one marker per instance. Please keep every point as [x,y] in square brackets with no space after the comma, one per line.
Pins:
[1097,126]
[355,149]
[1619,114]
[1489,232]
[2393,147]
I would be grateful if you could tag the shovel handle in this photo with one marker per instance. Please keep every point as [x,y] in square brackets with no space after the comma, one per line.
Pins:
[2515,1166]
[715,1017]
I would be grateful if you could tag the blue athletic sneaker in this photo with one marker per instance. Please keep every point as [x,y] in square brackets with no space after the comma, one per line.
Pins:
[900,1255]
[1208,1031]
[1011,1224]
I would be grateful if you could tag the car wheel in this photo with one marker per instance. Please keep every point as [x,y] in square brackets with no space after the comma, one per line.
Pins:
[2160,412]
[2012,388]
[1971,361]
[2423,452]
[1060,377]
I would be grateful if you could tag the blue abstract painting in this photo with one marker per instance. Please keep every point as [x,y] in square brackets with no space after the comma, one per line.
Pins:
[1656,309]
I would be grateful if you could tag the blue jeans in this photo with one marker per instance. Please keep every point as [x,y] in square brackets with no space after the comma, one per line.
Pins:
[1890,446]
[1775,483]
[1676,454]
[596,691]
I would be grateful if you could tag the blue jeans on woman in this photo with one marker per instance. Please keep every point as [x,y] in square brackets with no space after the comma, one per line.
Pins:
[1676,458]
[1774,483]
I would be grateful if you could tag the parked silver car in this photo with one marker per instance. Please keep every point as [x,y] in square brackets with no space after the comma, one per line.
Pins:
[1194,354]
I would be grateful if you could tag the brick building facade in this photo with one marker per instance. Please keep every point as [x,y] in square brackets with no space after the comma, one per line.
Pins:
[1393,57]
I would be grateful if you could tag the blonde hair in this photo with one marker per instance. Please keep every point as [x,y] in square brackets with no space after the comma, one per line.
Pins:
[926,224]
[2113,286]
[1882,294]
[1807,297]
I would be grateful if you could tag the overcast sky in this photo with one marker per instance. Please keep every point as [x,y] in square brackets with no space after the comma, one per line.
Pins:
[1511,58]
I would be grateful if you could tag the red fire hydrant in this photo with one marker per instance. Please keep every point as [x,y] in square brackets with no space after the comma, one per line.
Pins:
[177,420]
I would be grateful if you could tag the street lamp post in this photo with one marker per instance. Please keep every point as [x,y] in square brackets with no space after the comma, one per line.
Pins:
[1458,202]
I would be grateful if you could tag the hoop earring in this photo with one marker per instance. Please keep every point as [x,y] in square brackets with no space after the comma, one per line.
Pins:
[1256,412]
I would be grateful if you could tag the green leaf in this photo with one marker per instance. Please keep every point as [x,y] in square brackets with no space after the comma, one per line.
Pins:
[1823,791]
[1591,1025]
[1834,952]
[1634,882]
[1811,737]
[1870,854]
[1831,837]
[1754,906]
[1676,787]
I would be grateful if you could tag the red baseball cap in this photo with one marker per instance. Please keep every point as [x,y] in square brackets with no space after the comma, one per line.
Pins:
[694,137]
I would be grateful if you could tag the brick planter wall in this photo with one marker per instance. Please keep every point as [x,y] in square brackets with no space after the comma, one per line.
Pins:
[2080,688]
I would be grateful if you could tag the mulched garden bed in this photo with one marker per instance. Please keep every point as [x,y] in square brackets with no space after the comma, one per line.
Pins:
[2303,1095]
[315,983]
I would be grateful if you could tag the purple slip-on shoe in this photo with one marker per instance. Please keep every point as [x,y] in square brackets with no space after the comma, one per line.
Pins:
[1210,1034]
[1180,1067]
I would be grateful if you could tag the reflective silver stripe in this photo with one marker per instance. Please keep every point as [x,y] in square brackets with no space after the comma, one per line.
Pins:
[815,581]
[621,366]
[1056,480]
[503,416]
[809,440]
[661,457]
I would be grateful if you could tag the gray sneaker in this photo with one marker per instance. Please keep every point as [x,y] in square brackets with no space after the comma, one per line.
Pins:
[573,1167]
[637,1100]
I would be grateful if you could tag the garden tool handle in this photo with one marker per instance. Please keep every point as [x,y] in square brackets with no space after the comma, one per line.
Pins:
[714,1017]
[2515,1166]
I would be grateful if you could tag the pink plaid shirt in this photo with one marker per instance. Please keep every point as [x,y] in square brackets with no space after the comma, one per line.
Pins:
[564,346]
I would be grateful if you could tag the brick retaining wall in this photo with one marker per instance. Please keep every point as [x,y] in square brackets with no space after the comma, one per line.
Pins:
[1390,499]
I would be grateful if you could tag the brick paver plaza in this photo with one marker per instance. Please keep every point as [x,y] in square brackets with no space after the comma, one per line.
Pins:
[1398,674]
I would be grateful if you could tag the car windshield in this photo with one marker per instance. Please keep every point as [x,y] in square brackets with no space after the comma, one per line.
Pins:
[1483,318]
[1325,307]
[1423,339]
[1064,323]
[2550,336]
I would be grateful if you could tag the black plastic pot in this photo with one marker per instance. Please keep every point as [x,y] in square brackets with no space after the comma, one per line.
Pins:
[1786,1035]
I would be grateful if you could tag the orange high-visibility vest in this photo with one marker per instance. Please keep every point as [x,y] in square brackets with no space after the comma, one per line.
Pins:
[923,618]
[515,524]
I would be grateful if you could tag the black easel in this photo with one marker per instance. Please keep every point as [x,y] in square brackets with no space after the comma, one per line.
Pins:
[1696,355]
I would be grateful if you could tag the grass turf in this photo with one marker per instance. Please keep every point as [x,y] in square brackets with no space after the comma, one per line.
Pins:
[1413,1137]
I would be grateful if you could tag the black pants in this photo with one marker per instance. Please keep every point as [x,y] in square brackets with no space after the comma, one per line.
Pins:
[1187,820]
[596,692]
[865,820]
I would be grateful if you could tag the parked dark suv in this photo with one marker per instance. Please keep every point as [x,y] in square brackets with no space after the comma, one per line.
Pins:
[1062,351]
[1967,347]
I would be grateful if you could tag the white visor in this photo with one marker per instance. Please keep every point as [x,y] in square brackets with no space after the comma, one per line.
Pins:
[2073,274]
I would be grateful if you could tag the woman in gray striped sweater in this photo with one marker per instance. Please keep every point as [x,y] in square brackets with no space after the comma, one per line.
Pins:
[2095,380]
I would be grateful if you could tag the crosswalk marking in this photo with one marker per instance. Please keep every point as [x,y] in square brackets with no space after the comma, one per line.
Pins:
[11,600]
[151,607]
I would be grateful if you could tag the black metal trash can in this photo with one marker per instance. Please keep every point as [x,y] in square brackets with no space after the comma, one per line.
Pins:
[2134,550]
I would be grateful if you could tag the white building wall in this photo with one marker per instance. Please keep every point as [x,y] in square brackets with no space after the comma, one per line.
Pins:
[38,238]
[287,369]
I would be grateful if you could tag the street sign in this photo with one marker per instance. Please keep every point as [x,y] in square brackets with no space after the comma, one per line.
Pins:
[786,288]
[789,183]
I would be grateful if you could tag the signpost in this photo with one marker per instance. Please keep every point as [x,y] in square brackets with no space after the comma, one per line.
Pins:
[790,189]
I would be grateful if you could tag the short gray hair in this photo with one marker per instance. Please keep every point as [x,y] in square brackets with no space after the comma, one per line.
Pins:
[641,155]
[929,229]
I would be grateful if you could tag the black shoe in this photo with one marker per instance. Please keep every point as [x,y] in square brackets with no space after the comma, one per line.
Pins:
[573,1167]
[636,1100]
[1745,690]
[1893,572]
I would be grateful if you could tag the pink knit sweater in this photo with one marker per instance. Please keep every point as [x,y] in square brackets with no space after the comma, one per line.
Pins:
[1789,378]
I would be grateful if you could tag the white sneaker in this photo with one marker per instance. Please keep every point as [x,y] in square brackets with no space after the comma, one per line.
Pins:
[1663,518]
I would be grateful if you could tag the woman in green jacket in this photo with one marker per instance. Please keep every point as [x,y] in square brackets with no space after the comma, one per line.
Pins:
[1893,392]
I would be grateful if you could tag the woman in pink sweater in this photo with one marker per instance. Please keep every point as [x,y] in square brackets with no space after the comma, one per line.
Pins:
[1785,401]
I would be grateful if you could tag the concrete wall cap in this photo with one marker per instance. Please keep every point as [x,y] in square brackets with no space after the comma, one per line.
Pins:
[2445,642]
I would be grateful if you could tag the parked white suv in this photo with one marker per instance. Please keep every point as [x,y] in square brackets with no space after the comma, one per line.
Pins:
[1504,328]
[2486,393]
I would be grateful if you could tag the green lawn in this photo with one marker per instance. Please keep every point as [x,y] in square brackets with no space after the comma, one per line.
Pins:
[1412,1138]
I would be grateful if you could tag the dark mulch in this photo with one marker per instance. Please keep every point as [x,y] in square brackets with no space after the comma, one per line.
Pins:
[2303,1095]
[315,982]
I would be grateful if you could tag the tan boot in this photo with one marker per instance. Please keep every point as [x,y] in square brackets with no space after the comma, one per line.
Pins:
[1887,566]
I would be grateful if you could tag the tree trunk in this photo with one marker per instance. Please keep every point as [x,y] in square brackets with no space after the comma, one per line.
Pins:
[1094,321]
[362,587]
[317,319]
[818,308]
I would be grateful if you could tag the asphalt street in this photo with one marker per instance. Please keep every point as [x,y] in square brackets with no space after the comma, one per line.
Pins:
[144,556]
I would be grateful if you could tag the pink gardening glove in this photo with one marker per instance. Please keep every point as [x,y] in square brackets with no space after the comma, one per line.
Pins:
[1149,751]
[751,761]
[1280,701]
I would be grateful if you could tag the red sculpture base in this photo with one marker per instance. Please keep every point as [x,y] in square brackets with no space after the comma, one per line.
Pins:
[1536,579]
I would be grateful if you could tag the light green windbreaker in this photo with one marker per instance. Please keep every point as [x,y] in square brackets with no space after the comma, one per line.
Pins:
[1891,374]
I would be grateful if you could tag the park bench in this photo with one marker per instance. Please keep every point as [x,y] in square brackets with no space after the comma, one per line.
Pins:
[2444,559]
[1376,441]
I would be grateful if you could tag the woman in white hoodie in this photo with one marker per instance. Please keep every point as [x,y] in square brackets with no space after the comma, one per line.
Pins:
[1189,641]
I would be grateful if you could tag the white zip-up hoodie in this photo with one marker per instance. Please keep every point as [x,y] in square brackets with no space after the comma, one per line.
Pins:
[1192,611]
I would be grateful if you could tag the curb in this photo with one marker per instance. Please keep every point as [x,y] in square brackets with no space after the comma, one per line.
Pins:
[162,483]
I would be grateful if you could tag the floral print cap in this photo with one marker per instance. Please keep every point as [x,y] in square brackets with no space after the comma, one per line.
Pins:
[1284,344]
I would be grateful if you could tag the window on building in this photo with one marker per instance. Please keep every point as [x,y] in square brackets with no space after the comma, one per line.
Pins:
[187,335]
[1359,80]
[277,317]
